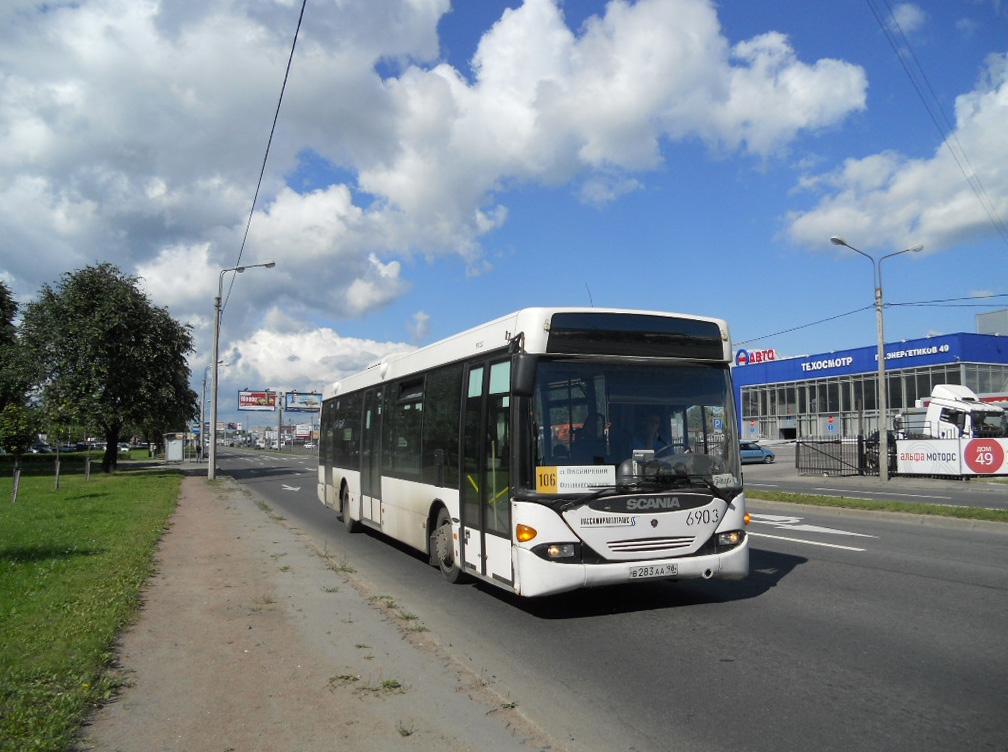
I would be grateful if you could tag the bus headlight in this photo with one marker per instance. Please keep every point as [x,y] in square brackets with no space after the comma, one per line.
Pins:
[563,553]
[732,538]
[560,550]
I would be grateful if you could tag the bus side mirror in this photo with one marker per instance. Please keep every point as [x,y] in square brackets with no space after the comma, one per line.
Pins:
[523,373]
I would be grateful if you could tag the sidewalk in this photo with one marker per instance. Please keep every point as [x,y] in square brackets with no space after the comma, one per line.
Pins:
[251,639]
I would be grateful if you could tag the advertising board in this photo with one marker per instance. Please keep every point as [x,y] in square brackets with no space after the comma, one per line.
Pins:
[264,401]
[952,457]
[302,402]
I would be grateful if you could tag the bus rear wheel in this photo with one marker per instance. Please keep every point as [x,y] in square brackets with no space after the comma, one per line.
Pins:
[352,525]
[442,548]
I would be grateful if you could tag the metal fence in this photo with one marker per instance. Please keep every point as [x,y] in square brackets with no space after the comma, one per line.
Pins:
[848,456]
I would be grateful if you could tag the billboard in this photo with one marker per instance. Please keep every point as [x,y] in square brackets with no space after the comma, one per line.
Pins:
[952,456]
[261,401]
[302,402]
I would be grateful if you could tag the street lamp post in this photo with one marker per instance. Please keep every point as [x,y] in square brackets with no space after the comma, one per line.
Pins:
[212,468]
[882,392]
[202,414]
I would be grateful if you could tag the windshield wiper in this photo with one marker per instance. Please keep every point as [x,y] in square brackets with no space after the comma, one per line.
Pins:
[678,476]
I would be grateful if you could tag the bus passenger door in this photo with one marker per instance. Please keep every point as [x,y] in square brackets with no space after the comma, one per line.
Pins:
[486,464]
[371,457]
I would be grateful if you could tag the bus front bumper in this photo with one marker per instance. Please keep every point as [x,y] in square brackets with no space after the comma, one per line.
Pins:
[541,577]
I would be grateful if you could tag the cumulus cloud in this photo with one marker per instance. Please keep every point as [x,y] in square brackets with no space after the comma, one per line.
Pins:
[307,359]
[420,326]
[908,17]
[889,200]
[132,131]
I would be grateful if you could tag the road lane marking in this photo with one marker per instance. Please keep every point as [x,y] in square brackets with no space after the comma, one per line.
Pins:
[846,493]
[886,493]
[811,543]
[796,524]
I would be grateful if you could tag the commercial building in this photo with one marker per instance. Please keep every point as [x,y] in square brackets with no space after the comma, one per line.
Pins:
[834,394]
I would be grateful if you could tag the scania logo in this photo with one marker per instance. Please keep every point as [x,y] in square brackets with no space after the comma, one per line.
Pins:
[653,502]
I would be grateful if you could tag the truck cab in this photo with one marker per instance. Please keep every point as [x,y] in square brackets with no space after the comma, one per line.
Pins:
[952,412]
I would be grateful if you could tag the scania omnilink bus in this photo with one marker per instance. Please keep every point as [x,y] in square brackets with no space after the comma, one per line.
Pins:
[549,450]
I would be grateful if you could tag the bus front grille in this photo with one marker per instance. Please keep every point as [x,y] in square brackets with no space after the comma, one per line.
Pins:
[649,545]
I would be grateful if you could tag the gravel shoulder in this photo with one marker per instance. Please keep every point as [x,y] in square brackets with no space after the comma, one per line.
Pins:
[251,639]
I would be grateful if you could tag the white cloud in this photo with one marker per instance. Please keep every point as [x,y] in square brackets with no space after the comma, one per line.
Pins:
[420,327]
[131,131]
[379,286]
[890,201]
[774,96]
[180,276]
[909,18]
[306,359]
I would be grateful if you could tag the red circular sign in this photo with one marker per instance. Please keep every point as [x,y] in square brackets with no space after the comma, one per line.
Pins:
[984,456]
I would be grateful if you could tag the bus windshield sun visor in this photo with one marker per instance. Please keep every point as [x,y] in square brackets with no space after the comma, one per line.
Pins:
[641,335]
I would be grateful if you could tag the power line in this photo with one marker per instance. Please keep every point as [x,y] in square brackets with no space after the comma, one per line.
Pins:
[806,326]
[939,303]
[915,72]
[954,302]
[269,142]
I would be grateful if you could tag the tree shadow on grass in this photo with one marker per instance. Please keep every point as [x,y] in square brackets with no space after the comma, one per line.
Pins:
[38,554]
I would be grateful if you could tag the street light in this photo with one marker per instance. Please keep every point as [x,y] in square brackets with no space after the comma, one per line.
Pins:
[202,414]
[882,393]
[212,469]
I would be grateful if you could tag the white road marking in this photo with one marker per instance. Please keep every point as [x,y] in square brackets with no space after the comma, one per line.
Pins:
[801,540]
[795,523]
[835,491]
[285,487]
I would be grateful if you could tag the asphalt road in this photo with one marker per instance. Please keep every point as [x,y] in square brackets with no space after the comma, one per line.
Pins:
[853,631]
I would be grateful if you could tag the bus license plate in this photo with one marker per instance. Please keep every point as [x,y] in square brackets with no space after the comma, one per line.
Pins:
[654,570]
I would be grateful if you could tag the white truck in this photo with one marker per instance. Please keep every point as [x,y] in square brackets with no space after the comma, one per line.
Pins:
[952,412]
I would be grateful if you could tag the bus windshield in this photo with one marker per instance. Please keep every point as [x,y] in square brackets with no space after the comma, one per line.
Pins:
[643,420]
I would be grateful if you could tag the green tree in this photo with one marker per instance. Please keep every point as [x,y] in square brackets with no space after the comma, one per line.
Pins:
[107,355]
[17,434]
[17,429]
[13,379]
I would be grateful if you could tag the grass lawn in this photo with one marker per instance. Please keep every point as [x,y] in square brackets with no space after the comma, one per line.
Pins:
[938,510]
[72,563]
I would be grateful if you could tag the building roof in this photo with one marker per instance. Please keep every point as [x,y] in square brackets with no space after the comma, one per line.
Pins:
[929,351]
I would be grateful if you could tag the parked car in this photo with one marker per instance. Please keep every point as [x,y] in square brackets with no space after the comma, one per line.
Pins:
[753,452]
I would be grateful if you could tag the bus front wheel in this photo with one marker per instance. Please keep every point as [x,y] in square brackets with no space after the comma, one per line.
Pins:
[352,525]
[442,548]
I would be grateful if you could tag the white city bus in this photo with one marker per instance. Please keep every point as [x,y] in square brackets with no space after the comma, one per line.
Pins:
[549,450]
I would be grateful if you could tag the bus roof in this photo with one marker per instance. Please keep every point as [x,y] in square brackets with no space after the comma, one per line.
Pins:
[576,331]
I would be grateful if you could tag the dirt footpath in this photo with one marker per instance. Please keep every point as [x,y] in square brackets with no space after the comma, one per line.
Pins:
[251,639]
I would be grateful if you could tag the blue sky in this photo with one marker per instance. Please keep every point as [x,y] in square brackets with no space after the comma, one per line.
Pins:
[436,165]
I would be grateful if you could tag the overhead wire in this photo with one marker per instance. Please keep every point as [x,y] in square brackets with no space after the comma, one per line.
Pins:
[918,78]
[805,326]
[938,303]
[269,143]
[954,302]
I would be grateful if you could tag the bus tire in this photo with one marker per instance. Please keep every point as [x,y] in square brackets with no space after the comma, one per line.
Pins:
[351,525]
[442,550]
